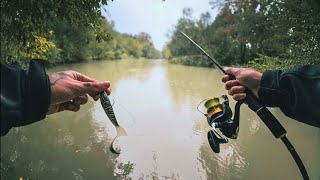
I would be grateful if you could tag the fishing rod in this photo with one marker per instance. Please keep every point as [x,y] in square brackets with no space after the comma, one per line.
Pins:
[219,115]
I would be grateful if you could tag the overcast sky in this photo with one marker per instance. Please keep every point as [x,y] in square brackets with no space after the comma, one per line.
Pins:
[154,17]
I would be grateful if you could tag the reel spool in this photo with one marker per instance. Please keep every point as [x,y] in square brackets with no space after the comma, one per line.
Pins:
[213,106]
[219,117]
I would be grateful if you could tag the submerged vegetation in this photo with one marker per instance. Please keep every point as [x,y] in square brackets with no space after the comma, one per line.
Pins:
[65,32]
[262,34]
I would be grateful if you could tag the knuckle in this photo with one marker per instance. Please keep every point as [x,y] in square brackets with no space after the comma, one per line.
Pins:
[230,92]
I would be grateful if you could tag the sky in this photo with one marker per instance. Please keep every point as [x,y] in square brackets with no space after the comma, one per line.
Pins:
[154,17]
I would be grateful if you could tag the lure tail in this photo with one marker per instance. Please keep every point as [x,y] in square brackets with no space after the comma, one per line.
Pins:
[121,131]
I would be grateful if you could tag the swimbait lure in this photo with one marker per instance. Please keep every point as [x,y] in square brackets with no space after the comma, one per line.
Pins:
[107,107]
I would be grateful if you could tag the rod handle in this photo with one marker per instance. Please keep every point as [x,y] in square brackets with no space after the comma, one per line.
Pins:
[265,115]
[271,122]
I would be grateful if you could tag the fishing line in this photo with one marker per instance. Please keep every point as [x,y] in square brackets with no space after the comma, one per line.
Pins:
[200,104]
[230,127]
[125,109]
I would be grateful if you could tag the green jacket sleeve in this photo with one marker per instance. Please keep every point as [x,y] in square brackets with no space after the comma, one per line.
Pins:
[295,91]
[25,97]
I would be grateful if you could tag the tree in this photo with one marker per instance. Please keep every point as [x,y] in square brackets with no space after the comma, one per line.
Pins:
[247,30]
[279,29]
[23,21]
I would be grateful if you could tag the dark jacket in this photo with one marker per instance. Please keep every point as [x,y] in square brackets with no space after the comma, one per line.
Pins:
[25,97]
[295,91]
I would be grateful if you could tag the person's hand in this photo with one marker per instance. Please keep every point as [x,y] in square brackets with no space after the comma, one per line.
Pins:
[245,77]
[69,90]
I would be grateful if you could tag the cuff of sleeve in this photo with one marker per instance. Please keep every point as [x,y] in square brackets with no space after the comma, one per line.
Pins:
[269,90]
[38,92]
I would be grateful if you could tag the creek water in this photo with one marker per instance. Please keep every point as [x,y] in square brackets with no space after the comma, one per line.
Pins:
[156,103]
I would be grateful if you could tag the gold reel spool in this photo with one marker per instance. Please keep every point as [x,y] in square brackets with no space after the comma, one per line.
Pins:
[213,106]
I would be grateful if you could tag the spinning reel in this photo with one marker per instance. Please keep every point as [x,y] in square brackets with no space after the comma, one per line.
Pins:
[219,117]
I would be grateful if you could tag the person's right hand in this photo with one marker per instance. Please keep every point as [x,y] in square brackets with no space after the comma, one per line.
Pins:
[245,78]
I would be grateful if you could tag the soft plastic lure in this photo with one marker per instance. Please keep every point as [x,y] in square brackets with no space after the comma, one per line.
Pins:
[107,107]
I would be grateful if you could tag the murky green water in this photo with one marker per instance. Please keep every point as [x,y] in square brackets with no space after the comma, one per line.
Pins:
[156,103]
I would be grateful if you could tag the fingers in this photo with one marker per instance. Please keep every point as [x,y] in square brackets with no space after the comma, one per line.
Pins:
[225,78]
[231,70]
[70,106]
[81,99]
[83,78]
[73,105]
[97,96]
[92,88]
[87,85]
[239,96]
[230,84]
[236,90]
[108,91]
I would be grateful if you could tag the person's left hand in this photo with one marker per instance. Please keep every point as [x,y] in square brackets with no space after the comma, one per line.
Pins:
[69,90]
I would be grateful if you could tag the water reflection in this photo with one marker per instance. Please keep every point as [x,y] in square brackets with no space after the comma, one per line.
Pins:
[59,147]
[156,103]
[153,139]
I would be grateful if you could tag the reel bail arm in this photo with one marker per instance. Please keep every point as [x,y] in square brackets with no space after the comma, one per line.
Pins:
[220,117]
[265,115]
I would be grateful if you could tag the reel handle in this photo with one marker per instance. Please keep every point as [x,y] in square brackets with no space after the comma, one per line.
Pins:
[215,140]
[265,115]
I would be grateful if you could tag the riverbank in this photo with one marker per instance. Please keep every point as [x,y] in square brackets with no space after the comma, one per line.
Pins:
[194,60]
[261,63]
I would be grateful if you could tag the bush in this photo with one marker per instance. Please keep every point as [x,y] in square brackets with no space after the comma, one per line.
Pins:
[263,63]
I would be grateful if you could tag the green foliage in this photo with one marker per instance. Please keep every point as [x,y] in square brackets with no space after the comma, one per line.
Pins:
[75,44]
[122,46]
[167,53]
[40,47]
[303,24]
[263,63]
[21,21]
[19,18]
[36,49]
[55,57]
[195,60]
[72,41]
[65,32]
[259,31]
[148,50]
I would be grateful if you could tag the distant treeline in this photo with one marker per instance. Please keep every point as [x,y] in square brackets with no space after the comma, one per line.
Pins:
[258,33]
[65,32]
[73,44]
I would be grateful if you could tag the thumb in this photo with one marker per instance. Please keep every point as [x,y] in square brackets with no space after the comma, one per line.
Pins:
[231,70]
[91,88]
